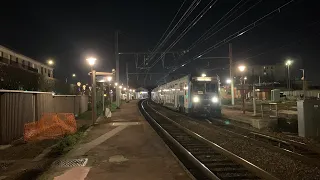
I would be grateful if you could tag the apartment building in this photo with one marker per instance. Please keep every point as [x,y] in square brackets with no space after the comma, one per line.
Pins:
[16,59]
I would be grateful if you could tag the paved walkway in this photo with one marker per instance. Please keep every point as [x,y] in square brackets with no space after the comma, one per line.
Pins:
[123,147]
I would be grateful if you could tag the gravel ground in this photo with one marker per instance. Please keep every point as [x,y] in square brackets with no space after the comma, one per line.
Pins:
[269,131]
[281,166]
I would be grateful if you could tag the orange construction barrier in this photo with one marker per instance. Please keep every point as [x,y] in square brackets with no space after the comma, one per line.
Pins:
[50,126]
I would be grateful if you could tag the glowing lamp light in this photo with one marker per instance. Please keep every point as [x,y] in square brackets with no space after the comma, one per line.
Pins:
[50,62]
[228,81]
[203,75]
[242,68]
[109,78]
[116,84]
[289,62]
[91,61]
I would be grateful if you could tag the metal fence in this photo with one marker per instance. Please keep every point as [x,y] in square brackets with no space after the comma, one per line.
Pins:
[20,107]
[297,93]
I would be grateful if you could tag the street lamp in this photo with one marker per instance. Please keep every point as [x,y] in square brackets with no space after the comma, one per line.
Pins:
[91,61]
[50,62]
[116,84]
[109,78]
[242,68]
[228,81]
[73,75]
[203,75]
[288,64]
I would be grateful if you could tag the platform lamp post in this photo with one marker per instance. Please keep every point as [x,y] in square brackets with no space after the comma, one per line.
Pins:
[242,68]
[288,64]
[109,79]
[91,61]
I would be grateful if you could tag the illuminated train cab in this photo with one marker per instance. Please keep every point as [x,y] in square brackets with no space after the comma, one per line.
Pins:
[191,95]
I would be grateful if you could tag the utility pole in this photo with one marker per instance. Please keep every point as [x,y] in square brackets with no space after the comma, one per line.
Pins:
[254,100]
[117,67]
[231,74]
[93,98]
[304,84]
[127,76]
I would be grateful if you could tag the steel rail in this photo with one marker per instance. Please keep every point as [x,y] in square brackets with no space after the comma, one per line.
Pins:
[242,162]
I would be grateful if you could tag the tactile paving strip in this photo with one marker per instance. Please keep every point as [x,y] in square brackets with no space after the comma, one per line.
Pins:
[71,162]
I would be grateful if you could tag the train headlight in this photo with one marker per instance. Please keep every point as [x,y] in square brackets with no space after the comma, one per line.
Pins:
[215,99]
[195,99]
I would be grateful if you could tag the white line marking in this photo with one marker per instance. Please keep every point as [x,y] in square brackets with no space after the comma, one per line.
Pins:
[84,148]
[208,121]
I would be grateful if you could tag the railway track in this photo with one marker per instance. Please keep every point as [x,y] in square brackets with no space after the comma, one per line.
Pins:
[293,148]
[203,158]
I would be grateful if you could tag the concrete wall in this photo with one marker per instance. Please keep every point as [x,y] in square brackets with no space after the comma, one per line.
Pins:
[20,107]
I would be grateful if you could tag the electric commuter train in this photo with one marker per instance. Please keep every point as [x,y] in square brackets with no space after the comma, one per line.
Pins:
[191,95]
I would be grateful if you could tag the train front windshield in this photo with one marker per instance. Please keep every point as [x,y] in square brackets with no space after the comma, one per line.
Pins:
[205,87]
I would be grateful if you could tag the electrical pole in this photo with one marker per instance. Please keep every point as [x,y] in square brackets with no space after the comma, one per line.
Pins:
[127,76]
[231,74]
[303,84]
[117,67]
[254,100]
[93,98]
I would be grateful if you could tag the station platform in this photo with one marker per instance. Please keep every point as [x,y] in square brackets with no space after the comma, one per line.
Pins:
[121,147]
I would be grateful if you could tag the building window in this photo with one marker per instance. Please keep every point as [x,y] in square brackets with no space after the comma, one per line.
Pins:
[41,70]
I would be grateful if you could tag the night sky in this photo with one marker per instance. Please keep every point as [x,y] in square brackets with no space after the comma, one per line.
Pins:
[69,31]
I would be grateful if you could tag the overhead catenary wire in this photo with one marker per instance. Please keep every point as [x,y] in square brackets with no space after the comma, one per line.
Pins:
[212,34]
[169,25]
[190,9]
[192,24]
[232,36]
[221,20]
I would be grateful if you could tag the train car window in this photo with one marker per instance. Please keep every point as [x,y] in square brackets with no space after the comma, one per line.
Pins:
[198,86]
[211,87]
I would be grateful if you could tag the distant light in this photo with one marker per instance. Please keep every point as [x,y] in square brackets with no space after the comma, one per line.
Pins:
[130,90]
[289,62]
[124,88]
[116,84]
[245,78]
[84,87]
[134,90]
[182,65]
[120,87]
[228,81]
[109,78]
[50,62]
[73,75]
[53,93]
[104,95]
[79,84]
[203,75]
[91,61]
[242,68]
